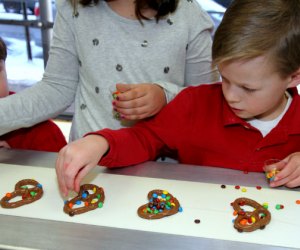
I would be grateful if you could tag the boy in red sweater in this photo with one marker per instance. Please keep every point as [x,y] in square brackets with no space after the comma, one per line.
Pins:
[252,116]
[45,136]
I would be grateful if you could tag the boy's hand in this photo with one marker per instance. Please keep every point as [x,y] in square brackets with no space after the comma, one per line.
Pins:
[76,159]
[139,101]
[289,174]
[4,144]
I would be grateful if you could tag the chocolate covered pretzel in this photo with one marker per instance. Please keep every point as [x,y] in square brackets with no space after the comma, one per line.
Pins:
[90,197]
[247,221]
[27,194]
[161,204]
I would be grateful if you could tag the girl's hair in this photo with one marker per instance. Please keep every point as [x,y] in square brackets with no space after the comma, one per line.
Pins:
[252,28]
[162,7]
[3,50]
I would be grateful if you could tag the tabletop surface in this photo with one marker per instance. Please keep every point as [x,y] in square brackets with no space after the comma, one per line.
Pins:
[25,233]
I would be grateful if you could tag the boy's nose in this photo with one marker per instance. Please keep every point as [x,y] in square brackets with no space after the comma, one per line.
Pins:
[232,95]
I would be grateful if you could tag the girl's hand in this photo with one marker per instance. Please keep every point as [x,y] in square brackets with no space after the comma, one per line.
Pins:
[139,101]
[76,159]
[289,174]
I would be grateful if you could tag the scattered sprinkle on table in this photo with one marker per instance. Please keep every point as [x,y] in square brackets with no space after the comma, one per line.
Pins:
[279,206]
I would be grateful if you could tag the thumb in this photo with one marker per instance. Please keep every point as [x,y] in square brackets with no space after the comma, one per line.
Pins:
[123,87]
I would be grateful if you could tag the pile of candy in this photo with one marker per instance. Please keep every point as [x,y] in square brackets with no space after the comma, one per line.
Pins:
[271,174]
[115,96]
[161,204]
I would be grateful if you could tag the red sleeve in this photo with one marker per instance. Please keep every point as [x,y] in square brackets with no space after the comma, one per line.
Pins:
[45,136]
[147,139]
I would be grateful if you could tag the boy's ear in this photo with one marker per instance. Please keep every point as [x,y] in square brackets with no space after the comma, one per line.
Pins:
[295,79]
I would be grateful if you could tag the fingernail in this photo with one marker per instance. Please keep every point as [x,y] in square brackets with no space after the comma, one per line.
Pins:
[113,103]
[123,116]
[118,98]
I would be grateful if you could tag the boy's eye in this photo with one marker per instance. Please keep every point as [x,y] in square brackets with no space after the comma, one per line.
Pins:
[248,90]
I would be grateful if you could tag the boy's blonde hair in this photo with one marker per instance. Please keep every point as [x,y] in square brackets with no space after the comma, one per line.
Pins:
[252,28]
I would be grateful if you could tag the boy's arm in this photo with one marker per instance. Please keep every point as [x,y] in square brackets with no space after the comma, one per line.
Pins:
[148,139]
[45,136]
[130,146]
[123,147]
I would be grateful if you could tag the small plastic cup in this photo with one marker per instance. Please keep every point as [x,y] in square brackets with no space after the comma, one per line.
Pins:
[270,175]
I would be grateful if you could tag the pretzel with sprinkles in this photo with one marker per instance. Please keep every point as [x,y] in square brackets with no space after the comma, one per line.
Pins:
[28,194]
[247,221]
[89,198]
[161,204]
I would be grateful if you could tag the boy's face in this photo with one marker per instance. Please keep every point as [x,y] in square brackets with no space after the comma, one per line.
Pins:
[3,80]
[253,89]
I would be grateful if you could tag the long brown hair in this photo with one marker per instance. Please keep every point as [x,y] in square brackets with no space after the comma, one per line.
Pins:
[162,7]
[3,50]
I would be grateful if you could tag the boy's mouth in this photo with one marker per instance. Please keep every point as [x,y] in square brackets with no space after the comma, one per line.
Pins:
[235,109]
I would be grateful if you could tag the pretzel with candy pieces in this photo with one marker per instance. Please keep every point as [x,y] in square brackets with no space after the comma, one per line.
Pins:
[28,194]
[91,200]
[247,221]
[161,204]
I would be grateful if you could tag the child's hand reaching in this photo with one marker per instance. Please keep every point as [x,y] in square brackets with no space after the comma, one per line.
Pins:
[139,101]
[76,159]
[4,144]
[289,171]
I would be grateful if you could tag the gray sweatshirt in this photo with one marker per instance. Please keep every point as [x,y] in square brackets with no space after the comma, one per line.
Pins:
[96,49]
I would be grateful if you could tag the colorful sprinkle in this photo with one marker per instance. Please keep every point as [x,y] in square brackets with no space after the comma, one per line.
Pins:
[279,206]
[223,186]
[265,205]
[237,187]
[8,195]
